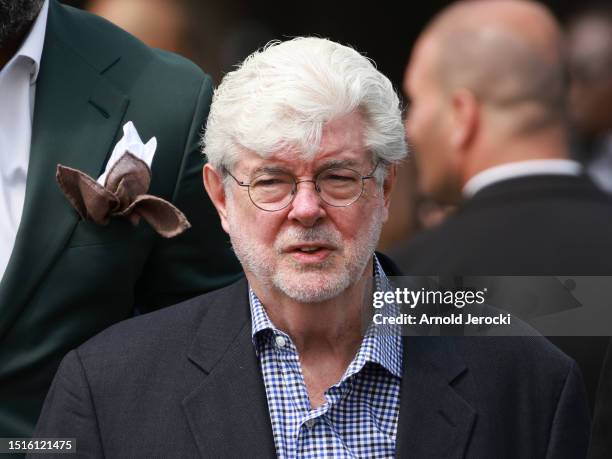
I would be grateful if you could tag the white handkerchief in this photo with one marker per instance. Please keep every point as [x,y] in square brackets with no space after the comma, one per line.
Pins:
[130,142]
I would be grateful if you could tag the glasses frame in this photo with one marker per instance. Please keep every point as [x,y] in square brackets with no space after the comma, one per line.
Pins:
[296,182]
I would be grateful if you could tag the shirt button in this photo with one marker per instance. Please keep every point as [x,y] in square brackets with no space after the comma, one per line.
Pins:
[280,341]
[310,423]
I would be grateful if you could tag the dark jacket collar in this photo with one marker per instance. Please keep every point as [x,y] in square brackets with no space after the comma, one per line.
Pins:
[533,186]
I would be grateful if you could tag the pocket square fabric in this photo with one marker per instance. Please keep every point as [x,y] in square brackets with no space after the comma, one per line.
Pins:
[123,195]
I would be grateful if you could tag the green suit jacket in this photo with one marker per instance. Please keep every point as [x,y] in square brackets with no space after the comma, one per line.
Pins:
[68,279]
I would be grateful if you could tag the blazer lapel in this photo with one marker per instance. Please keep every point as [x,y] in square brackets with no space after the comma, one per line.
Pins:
[434,420]
[228,413]
[76,117]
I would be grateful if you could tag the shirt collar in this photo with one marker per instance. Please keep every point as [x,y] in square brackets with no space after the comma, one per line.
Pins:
[259,317]
[32,46]
[387,341]
[520,169]
[385,350]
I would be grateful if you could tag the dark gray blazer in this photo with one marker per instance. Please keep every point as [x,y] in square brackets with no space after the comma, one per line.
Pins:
[540,225]
[185,382]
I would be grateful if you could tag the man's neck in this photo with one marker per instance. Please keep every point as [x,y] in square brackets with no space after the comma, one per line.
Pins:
[548,144]
[327,335]
[11,46]
[332,326]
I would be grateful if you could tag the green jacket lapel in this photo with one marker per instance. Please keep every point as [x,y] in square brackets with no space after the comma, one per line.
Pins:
[76,118]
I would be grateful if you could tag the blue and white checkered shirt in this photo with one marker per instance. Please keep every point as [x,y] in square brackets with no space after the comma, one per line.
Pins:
[360,413]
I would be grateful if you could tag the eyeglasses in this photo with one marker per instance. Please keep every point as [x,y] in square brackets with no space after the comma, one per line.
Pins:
[337,187]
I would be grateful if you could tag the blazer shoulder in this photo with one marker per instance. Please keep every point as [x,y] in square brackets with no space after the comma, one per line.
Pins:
[97,40]
[176,63]
[427,248]
[515,357]
[89,32]
[176,324]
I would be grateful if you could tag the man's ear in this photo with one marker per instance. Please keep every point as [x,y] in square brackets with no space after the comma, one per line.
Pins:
[388,186]
[465,118]
[213,182]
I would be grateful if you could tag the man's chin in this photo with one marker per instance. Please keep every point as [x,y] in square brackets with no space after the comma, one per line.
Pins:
[303,262]
[311,287]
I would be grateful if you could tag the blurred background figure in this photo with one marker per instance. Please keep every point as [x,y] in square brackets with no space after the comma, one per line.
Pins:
[487,85]
[160,24]
[589,41]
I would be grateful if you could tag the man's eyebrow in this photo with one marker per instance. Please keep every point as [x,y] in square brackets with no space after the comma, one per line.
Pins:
[268,170]
[337,163]
[272,169]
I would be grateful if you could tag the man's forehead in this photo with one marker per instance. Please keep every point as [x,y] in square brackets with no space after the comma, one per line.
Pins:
[422,57]
[409,75]
[342,143]
[292,160]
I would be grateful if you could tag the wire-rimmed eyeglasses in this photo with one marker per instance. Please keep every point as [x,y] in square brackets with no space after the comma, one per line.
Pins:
[337,187]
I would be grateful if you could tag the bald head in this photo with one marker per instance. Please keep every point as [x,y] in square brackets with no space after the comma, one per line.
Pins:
[487,83]
[509,53]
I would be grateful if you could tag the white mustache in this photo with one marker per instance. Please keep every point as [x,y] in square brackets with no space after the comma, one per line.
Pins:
[295,236]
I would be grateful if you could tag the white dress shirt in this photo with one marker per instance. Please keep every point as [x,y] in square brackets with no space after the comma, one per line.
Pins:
[17,90]
[520,169]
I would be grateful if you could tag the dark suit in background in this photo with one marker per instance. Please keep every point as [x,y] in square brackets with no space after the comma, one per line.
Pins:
[191,386]
[545,225]
[601,438]
[68,279]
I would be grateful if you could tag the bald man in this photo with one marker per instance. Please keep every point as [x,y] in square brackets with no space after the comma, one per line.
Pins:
[487,85]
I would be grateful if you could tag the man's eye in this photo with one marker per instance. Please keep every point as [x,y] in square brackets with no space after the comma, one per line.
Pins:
[270,182]
[340,178]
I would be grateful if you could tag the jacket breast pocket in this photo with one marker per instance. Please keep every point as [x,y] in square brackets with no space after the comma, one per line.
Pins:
[88,233]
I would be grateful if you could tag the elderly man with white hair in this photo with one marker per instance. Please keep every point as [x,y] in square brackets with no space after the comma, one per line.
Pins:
[302,144]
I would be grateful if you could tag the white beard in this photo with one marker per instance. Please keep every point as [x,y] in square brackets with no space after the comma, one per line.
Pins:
[307,283]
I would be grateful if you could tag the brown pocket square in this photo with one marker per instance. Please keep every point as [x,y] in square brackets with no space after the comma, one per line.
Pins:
[124,195]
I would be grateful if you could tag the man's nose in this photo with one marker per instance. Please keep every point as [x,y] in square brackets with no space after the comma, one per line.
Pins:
[307,207]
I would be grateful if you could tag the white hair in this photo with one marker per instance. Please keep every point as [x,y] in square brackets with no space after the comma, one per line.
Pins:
[282,95]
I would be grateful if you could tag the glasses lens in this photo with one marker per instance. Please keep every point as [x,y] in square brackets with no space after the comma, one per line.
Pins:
[271,191]
[339,186]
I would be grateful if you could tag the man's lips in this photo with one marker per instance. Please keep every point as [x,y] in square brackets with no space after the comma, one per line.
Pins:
[311,252]
[308,247]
